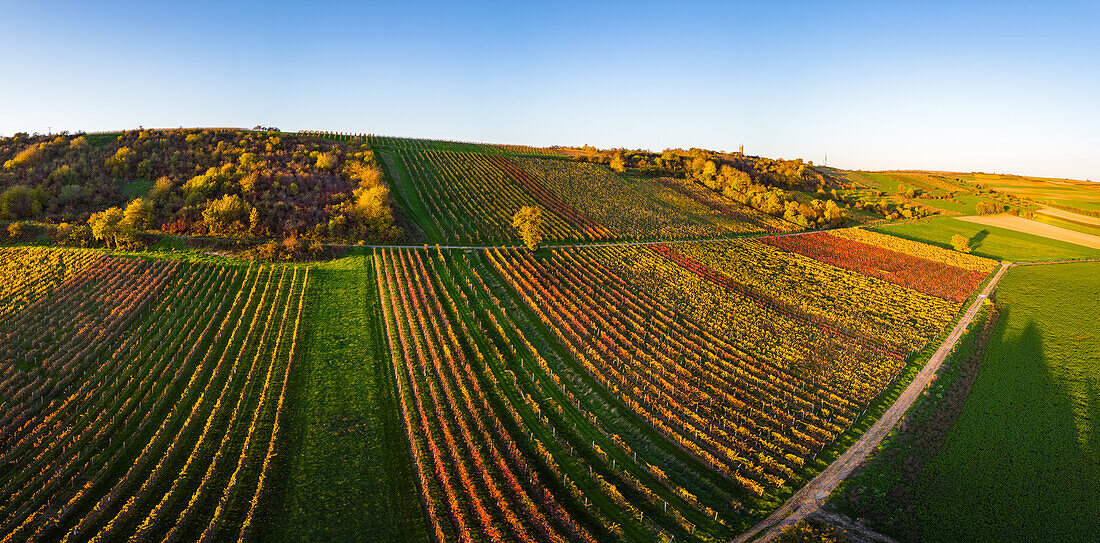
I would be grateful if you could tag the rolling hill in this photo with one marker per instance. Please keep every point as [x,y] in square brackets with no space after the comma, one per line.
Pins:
[317,336]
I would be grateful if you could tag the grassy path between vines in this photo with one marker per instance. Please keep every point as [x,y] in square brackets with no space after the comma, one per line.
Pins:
[407,198]
[344,472]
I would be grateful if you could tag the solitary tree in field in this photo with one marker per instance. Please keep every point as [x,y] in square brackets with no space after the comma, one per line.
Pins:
[960,243]
[528,221]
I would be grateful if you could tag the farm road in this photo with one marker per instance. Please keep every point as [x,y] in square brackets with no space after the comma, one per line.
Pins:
[812,496]
[588,244]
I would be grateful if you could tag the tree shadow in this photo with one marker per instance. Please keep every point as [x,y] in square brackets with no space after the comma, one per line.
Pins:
[1091,443]
[976,239]
[1072,455]
[1019,465]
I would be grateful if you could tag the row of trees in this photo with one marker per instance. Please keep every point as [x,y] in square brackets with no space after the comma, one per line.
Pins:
[704,165]
[987,207]
[762,183]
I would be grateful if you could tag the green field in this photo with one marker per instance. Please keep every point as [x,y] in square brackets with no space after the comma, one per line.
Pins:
[1088,205]
[965,204]
[1023,461]
[964,201]
[1067,192]
[990,241]
[345,454]
[889,181]
[419,222]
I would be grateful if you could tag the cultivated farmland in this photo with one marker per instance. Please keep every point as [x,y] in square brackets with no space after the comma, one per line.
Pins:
[471,197]
[991,241]
[657,391]
[1032,227]
[460,193]
[1008,427]
[28,274]
[166,382]
[640,208]
[722,363]
[675,361]
[589,469]
[1026,437]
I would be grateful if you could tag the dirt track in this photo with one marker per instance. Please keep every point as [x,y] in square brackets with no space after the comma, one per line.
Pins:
[1026,226]
[811,497]
[586,244]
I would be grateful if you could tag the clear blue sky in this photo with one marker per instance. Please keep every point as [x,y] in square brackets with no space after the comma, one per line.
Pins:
[990,86]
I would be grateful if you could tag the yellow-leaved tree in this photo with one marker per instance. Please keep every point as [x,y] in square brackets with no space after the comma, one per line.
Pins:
[528,222]
[960,243]
[107,226]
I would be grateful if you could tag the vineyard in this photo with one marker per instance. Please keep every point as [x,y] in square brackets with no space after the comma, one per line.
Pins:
[142,398]
[512,439]
[730,208]
[471,198]
[677,388]
[640,208]
[751,373]
[28,274]
[654,392]
[921,250]
[637,392]
[546,272]
[462,193]
[413,144]
[927,276]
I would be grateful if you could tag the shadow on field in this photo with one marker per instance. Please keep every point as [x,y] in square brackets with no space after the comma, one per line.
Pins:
[976,239]
[1073,453]
[1092,441]
[1084,393]
[1015,467]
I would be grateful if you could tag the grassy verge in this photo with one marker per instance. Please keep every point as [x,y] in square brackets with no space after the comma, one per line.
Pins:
[880,494]
[344,473]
